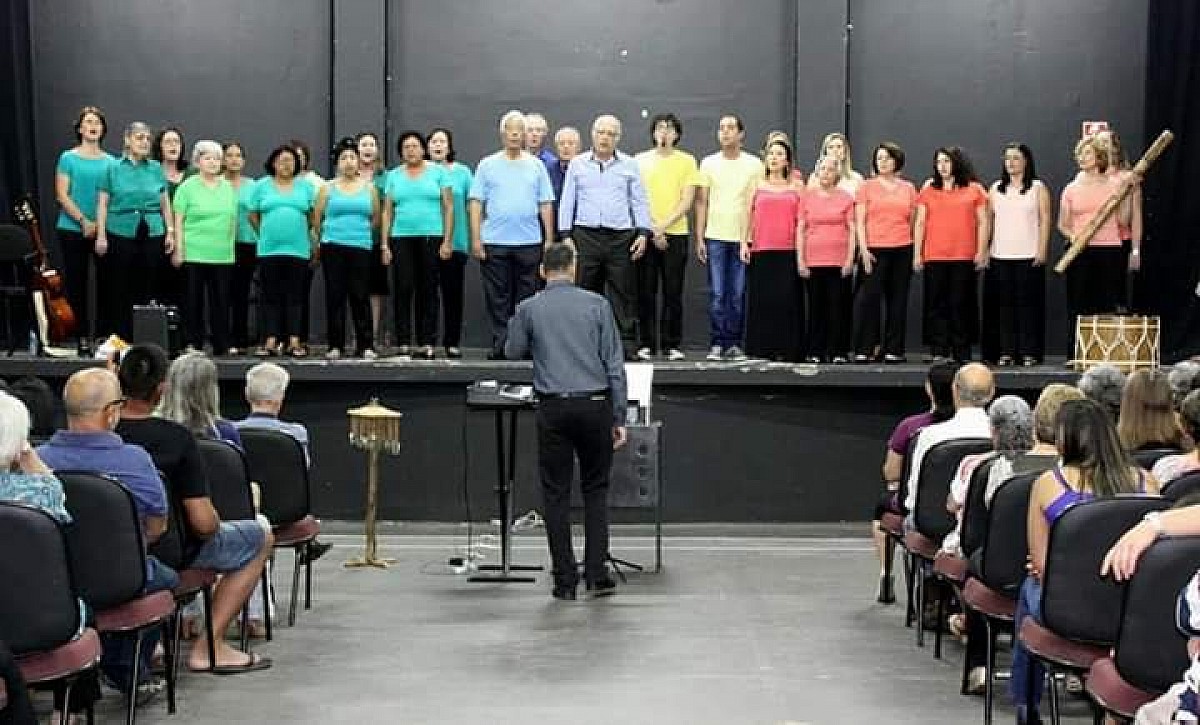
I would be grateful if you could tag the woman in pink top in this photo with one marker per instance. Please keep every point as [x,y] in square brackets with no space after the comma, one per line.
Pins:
[774,303]
[883,221]
[1015,284]
[1096,279]
[826,249]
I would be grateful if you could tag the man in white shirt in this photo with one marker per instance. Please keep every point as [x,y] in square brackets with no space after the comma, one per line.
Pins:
[973,390]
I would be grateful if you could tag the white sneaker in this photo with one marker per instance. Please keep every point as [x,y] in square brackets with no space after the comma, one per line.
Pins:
[369,354]
[644,354]
[714,353]
[735,353]
[675,355]
[333,354]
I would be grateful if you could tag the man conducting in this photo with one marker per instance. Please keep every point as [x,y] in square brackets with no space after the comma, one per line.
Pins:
[579,376]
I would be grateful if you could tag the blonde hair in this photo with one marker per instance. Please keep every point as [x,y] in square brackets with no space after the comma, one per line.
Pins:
[847,165]
[1045,413]
[1103,157]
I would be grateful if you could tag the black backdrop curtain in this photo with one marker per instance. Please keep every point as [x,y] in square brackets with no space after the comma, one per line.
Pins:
[17,149]
[1172,208]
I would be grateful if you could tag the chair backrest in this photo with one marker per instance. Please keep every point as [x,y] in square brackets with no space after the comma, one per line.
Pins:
[105,539]
[974,513]
[906,469]
[1176,490]
[1076,602]
[38,607]
[1006,541]
[1151,653]
[228,480]
[933,484]
[1147,457]
[276,462]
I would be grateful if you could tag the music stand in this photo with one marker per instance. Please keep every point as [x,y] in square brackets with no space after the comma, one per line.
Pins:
[499,400]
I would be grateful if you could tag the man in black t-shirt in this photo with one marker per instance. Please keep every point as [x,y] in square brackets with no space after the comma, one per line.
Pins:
[237,549]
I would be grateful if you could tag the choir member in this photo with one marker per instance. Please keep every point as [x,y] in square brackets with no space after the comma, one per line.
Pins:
[827,261]
[370,166]
[245,251]
[452,267]
[838,146]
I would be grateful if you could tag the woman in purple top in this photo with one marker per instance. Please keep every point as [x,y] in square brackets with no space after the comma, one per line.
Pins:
[939,388]
[1093,465]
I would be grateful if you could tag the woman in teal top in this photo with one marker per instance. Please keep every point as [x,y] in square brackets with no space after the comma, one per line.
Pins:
[281,215]
[245,251]
[77,182]
[134,231]
[418,217]
[452,266]
[371,167]
[347,213]
[206,218]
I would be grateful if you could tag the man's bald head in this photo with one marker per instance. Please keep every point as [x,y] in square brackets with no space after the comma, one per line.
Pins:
[974,386]
[89,393]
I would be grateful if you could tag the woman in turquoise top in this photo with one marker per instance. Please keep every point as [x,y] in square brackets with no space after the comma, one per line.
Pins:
[134,231]
[452,266]
[347,213]
[281,215]
[418,217]
[245,252]
[370,167]
[76,185]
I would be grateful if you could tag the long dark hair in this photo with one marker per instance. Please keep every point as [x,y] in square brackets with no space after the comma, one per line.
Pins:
[961,168]
[941,384]
[1087,439]
[451,155]
[1030,170]
[156,150]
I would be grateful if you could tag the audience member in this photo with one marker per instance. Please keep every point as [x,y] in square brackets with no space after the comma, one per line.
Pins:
[1147,420]
[193,398]
[1169,468]
[41,402]
[1183,377]
[1104,384]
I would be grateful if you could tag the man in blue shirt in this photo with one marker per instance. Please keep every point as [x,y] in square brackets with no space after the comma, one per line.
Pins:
[566,146]
[511,209]
[604,210]
[536,129]
[579,376]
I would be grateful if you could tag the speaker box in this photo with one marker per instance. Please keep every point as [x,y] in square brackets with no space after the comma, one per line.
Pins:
[158,325]
[634,481]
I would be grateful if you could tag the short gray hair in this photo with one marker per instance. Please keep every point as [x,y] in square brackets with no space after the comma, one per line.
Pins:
[565,130]
[535,116]
[607,117]
[266,382]
[14,428]
[193,397]
[1012,424]
[1104,384]
[206,148]
[135,126]
[1183,379]
[512,116]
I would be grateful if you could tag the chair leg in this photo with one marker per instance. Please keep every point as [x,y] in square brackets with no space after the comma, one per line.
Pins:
[921,597]
[989,690]
[65,715]
[909,589]
[133,681]
[1052,682]
[266,597]
[308,580]
[208,627]
[295,594]
[940,592]
[170,637]
[244,621]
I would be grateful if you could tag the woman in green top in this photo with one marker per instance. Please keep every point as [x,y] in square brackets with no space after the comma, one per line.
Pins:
[281,215]
[452,266]
[206,213]
[418,216]
[134,231]
[76,185]
[245,251]
[170,149]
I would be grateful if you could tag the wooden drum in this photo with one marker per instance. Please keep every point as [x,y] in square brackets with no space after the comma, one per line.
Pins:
[1130,342]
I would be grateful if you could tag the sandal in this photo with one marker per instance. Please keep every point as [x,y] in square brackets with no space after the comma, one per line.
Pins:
[255,663]
[298,352]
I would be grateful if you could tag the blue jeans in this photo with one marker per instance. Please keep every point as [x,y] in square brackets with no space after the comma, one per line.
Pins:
[726,293]
[1026,671]
[117,659]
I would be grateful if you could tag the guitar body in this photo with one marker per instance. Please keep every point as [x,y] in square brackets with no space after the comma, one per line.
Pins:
[47,284]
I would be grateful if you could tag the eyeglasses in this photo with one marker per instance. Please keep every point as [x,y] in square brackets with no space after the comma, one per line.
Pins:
[119,402]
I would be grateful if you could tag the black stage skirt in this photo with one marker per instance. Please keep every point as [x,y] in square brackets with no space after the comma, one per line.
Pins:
[774,307]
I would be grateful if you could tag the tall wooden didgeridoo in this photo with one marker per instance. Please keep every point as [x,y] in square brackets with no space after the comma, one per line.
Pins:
[1080,241]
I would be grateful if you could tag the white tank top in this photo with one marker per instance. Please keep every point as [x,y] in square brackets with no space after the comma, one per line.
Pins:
[1016,231]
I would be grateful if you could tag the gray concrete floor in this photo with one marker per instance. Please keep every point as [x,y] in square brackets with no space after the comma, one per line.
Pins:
[733,630]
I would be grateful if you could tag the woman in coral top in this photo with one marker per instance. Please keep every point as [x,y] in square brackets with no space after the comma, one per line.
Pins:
[826,249]
[774,302]
[883,207]
[950,243]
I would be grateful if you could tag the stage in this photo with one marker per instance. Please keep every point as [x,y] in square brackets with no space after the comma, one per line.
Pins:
[742,442]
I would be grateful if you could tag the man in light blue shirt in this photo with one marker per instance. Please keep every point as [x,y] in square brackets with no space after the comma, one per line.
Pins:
[511,208]
[604,210]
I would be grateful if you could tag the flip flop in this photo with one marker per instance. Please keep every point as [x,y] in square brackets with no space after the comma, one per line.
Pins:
[256,663]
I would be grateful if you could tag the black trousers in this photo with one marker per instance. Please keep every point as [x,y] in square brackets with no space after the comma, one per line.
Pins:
[347,280]
[77,255]
[570,428]
[606,268]
[306,308]
[240,284]
[128,276]
[415,288]
[509,274]
[451,273]
[1095,286]
[828,312]
[211,281]
[283,295]
[665,266]
[1016,291]
[888,283]
[951,320]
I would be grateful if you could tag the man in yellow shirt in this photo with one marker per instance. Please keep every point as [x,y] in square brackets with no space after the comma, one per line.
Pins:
[670,178]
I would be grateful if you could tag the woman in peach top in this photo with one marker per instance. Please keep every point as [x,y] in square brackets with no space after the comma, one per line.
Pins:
[883,208]
[826,250]
[1096,279]
[774,303]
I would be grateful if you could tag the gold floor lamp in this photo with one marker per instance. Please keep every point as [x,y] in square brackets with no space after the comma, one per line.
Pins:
[375,429]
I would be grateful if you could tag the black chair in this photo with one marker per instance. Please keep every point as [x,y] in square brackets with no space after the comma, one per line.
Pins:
[109,562]
[1081,612]
[1150,653]
[39,610]
[232,497]
[15,270]
[1182,487]
[277,463]
[997,568]
[1147,457]
[951,569]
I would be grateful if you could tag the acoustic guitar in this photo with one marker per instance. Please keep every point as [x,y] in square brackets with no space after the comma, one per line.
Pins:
[56,319]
